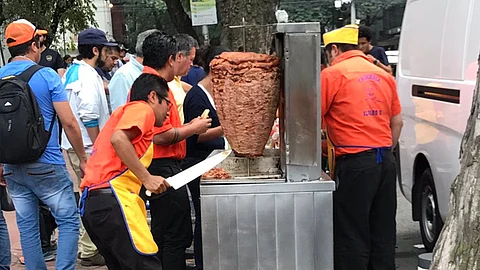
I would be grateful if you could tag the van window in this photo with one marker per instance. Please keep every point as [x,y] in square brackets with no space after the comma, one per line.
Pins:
[421,39]
[454,38]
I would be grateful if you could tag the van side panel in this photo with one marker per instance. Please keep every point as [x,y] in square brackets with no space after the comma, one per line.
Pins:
[436,50]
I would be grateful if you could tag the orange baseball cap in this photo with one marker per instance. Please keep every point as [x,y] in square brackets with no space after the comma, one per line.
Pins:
[42,32]
[20,32]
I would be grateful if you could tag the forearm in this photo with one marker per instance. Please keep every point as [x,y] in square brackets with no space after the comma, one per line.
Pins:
[384,67]
[174,135]
[396,130]
[93,133]
[74,136]
[126,152]
[211,134]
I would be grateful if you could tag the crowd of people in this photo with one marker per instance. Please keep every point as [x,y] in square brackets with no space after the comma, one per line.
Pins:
[111,138]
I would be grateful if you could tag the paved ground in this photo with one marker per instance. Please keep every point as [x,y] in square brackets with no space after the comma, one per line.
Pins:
[408,235]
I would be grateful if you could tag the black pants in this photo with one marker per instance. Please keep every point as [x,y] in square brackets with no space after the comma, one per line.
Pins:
[171,220]
[365,206]
[47,225]
[105,225]
[194,188]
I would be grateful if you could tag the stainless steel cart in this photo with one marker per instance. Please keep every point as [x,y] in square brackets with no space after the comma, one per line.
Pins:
[276,211]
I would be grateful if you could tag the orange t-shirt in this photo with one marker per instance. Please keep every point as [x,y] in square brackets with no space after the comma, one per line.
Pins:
[104,164]
[358,101]
[175,151]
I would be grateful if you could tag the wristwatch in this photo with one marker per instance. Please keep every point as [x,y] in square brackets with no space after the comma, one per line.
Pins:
[375,62]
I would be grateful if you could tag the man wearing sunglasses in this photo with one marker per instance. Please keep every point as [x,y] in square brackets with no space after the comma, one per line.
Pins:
[171,220]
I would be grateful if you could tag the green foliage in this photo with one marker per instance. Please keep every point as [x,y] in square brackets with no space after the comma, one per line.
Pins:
[58,15]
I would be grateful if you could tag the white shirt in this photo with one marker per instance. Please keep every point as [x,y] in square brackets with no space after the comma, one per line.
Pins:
[87,98]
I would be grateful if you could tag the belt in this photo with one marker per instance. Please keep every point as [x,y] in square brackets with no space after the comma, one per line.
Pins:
[379,152]
[100,191]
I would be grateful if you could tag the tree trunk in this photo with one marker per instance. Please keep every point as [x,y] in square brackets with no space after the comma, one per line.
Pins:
[180,18]
[60,8]
[458,247]
[258,13]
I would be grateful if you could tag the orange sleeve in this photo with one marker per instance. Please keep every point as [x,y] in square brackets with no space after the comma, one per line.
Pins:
[330,86]
[396,107]
[139,116]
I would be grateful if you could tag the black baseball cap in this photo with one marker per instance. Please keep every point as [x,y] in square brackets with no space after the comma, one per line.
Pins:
[93,36]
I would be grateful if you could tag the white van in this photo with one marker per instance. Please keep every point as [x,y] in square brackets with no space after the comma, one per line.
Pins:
[436,74]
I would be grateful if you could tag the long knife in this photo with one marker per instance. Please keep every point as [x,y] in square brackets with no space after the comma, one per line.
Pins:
[184,177]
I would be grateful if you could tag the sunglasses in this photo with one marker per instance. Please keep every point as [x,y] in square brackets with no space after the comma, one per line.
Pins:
[169,103]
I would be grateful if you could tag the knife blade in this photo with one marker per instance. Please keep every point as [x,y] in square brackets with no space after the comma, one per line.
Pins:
[184,177]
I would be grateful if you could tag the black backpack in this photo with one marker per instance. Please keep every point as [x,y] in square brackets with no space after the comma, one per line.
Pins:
[23,137]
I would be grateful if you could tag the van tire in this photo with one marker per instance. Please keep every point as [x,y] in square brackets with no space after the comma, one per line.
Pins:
[430,220]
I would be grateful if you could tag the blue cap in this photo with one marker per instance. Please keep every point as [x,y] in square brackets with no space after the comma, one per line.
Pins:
[93,36]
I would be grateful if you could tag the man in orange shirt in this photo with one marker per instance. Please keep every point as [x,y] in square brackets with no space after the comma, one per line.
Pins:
[171,220]
[112,212]
[361,110]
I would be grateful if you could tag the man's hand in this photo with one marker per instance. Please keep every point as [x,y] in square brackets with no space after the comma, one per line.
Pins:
[83,165]
[201,125]
[371,58]
[3,182]
[156,184]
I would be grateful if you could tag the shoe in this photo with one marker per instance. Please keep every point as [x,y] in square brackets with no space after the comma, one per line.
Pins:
[49,255]
[96,260]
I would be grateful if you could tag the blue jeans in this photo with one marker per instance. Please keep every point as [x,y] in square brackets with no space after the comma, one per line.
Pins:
[5,255]
[28,183]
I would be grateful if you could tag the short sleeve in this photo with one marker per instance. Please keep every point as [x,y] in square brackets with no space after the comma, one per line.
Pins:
[59,63]
[138,116]
[330,86]
[55,86]
[87,100]
[383,57]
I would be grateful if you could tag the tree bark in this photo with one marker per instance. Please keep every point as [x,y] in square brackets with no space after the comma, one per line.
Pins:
[459,243]
[257,13]
[180,18]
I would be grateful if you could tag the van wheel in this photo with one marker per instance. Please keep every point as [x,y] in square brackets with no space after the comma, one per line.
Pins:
[430,220]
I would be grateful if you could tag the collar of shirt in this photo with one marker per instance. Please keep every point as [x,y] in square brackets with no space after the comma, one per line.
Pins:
[350,54]
[150,70]
[210,98]
[83,63]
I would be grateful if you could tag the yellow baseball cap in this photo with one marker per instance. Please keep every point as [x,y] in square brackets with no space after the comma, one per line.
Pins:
[345,35]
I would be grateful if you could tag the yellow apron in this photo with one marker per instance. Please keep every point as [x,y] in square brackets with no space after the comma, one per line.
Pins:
[331,157]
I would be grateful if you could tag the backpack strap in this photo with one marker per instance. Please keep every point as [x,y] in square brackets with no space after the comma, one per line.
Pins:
[26,76]
[28,73]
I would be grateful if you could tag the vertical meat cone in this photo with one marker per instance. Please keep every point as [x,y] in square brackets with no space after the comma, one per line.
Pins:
[246,93]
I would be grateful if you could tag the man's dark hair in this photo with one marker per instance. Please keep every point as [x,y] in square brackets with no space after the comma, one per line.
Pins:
[86,50]
[343,47]
[23,49]
[185,43]
[365,32]
[147,83]
[65,58]
[208,53]
[157,49]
